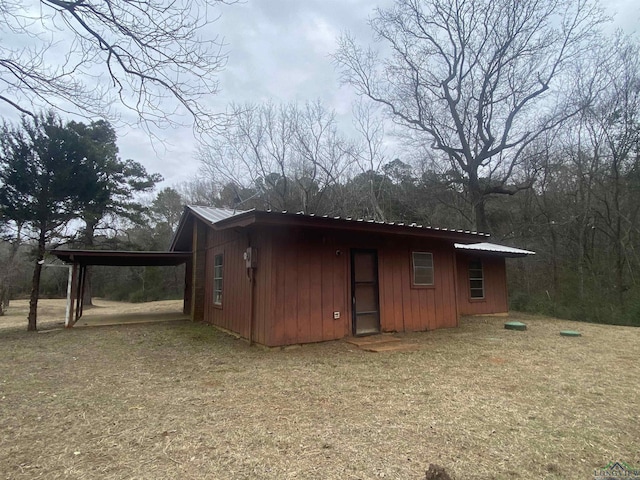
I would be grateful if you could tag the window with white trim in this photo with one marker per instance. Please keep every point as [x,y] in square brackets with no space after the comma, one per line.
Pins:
[217,279]
[476,280]
[422,268]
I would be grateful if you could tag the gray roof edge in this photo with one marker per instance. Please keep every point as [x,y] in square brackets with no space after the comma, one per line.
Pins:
[493,248]
[214,215]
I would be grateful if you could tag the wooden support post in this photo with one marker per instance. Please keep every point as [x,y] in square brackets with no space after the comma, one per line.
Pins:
[73,293]
[67,313]
[83,274]
[194,268]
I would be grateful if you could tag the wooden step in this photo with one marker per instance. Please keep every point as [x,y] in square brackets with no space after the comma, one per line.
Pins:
[390,347]
[372,340]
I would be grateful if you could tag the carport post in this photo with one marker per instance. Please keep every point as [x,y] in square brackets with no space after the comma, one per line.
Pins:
[71,296]
[80,292]
[67,314]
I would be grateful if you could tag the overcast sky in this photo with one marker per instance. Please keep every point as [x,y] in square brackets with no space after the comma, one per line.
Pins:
[280,50]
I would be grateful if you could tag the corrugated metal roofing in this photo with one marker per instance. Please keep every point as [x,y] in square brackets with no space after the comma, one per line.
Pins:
[493,247]
[214,215]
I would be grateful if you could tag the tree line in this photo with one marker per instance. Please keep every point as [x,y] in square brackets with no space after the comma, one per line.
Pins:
[519,119]
[53,173]
[514,118]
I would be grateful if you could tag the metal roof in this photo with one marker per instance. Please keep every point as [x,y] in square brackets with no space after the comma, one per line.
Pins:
[494,248]
[121,257]
[215,215]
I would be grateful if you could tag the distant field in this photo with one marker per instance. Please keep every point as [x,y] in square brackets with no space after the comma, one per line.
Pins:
[182,400]
[51,312]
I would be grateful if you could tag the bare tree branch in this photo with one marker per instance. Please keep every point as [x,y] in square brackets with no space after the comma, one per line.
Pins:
[480,79]
[158,58]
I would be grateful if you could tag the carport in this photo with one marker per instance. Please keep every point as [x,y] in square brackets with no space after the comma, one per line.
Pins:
[79,260]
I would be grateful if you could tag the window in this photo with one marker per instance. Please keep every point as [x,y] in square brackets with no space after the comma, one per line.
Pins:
[422,268]
[217,279]
[476,279]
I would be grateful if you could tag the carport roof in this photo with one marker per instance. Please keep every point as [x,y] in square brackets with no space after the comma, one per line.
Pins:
[121,258]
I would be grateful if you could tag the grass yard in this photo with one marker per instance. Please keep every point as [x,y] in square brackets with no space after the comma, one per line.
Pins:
[182,400]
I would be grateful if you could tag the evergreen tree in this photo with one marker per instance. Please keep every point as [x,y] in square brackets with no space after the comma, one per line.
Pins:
[38,185]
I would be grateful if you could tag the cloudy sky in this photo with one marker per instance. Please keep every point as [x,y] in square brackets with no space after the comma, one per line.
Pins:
[280,50]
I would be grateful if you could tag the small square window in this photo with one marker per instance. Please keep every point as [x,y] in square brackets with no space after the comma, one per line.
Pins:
[217,279]
[422,268]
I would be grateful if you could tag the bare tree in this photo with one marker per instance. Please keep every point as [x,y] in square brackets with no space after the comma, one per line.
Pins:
[157,58]
[286,156]
[478,79]
[370,154]
[614,127]
[200,190]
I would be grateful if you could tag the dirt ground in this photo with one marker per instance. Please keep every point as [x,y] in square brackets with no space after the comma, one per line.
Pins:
[183,400]
[51,312]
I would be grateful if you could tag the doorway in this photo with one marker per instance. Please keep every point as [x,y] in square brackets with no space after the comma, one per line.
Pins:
[364,292]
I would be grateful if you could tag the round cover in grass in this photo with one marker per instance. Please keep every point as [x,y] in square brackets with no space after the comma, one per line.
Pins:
[515,326]
[570,333]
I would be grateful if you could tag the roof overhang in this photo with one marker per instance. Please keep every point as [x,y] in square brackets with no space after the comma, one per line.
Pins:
[221,219]
[286,219]
[121,258]
[181,240]
[493,249]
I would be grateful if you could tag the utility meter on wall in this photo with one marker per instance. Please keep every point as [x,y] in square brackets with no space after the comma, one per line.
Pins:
[250,257]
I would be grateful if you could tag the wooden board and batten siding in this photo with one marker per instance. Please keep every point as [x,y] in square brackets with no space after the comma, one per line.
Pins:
[495,299]
[310,273]
[313,280]
[198,270]
[233,313]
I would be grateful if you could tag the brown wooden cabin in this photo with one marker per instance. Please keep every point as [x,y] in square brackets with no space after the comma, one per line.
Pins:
[279,278]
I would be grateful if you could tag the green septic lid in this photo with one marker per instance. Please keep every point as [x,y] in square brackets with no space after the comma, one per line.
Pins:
[515,326]
[570,333]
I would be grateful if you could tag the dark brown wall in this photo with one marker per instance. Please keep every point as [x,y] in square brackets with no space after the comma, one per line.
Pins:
[188,279]
[198,284]
[495,286]
[234,314]
[408,308]
[311,282]
[301,280]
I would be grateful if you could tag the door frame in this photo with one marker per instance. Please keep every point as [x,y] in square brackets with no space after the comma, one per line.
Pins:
[353,288]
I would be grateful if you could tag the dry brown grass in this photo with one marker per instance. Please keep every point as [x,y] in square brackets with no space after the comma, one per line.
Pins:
[51,312]
[182,400]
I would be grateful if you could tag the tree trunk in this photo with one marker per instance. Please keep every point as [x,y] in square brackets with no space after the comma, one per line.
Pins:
[88,242]
[480,215]
[478,200]
[35,283]
[4,300]
[378,214]
[87,297]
